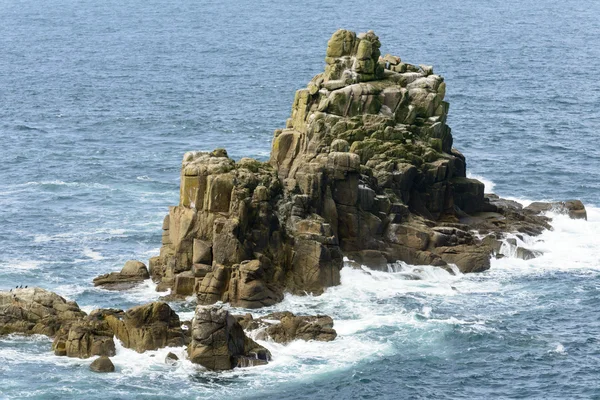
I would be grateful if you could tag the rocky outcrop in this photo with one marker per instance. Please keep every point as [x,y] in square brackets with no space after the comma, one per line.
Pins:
[365,167]
[219,343]
[132,274]
[573,208]
[35,311]
[284,327]
[147,327]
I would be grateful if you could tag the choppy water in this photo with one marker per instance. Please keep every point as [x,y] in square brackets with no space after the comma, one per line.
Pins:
[99,101]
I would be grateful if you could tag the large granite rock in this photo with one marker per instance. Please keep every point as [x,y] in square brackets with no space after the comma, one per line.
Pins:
[219,343]
[35,311]
[102,364]
[365,167]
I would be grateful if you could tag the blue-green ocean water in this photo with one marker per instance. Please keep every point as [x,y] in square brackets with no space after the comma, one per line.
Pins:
[99,101]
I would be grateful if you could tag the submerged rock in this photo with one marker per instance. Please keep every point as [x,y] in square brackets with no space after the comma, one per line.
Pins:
[284,327]
[219,342]
[132,274]
[102,364]
[365,167]
[35,311]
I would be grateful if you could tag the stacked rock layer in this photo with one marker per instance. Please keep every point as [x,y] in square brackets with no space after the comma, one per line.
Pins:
[365,168]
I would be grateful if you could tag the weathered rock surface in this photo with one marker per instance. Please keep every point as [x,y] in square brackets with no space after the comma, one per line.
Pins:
[132,274]
[87,337]
[219,342]
[102,364]
[284,327]
[35,311]
[365,167]
[147,327]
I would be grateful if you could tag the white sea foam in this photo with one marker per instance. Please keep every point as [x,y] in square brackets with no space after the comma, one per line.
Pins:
[570,245]
[23,265]
[94,255]
[145,292]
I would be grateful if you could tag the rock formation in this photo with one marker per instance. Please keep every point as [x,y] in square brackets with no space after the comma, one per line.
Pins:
[132,274]
[289,327]
[35,311]
[147,327]
[365,168]
[219,343]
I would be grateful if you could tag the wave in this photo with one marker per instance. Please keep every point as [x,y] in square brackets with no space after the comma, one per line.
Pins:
[57,182]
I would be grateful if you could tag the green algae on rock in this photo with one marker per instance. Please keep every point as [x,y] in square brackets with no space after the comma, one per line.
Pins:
[364,168]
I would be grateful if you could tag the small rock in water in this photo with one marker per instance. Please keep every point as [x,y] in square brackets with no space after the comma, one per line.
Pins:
[526,254]
[171,359]
[102,364]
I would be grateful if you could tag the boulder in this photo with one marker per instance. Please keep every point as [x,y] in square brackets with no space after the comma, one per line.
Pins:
[219,343]
[132,274]
[35,311]
[102,364]
[147,327]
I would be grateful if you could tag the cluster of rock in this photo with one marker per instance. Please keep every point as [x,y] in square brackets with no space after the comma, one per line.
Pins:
[214,338]
[284,327]
[364,168]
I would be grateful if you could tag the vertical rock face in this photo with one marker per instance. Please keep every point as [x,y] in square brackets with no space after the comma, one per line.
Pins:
[364,167]
[219,343]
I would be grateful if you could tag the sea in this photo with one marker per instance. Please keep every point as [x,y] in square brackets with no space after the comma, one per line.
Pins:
[99,100]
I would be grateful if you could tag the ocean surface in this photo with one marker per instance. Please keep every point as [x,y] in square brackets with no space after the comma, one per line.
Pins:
[99,101]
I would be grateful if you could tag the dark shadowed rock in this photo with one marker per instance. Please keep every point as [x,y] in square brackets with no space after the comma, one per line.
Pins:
[102,364]
[219,343]
[171,359]
[526,254]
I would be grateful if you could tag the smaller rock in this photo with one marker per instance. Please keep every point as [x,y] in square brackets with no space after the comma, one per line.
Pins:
[132,274]
[102,364]
[526,254]
[290,327]
[171,358]
[135,268]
